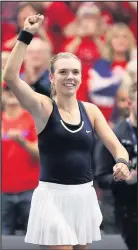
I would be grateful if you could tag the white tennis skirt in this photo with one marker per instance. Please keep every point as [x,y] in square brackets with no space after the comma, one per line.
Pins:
[64,215]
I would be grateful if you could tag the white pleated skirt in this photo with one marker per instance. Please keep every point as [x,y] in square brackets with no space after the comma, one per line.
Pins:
[64,215]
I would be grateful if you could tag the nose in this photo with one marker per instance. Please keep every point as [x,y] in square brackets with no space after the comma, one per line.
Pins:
[70,75]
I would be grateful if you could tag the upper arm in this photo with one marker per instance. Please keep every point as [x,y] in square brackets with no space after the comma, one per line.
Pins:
[29,99]
[104,131]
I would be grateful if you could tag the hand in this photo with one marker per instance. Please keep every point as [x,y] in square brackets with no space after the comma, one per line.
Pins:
[80,32]
[33,23]
[15,135]
[121,172]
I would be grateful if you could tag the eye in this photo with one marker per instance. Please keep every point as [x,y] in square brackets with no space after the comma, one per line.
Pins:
[76,72]
[62,72]
[125,36]
[116,36]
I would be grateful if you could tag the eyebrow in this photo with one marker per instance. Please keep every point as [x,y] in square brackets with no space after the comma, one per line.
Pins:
[69,69]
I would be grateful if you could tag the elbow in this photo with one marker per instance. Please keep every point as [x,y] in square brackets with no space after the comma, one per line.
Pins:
[9,75]
[5,75]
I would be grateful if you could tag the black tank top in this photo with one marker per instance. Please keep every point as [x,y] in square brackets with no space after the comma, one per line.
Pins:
[66,150]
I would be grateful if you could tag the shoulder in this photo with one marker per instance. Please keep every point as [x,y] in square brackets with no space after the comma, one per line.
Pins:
[92,111]
[46,103]
[44,98]
[91,108]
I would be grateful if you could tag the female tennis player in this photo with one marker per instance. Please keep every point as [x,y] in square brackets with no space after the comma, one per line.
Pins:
[64,211]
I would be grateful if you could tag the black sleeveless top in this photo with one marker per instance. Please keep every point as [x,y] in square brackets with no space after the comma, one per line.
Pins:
[66,150]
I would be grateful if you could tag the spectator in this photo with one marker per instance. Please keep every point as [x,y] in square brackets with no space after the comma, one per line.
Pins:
[120,112]
[119,14]
[87,29]
[106,74]
[36,64]
[131,8]
[59,27]
[124,192]
[19,155]
[23,11]
[106,14]
[121,108]
[120,11]
[8,11]
[85,43]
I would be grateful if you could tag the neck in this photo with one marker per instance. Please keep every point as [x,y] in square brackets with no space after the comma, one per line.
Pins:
[13,112]
[68,104]
[133,120]
[119,57]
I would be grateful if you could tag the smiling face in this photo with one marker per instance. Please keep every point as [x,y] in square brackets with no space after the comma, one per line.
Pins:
[67,76]
[120,40]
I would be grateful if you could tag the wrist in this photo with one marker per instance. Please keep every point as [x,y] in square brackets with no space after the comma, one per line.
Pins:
[28,30]
[122,160]
[25,36]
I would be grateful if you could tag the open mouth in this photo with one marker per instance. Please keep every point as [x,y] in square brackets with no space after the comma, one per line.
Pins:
[69,85]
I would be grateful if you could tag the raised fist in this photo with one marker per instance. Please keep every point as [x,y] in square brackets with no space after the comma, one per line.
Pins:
[33,23]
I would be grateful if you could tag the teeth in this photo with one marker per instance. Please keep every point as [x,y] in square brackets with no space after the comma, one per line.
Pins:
[69,85]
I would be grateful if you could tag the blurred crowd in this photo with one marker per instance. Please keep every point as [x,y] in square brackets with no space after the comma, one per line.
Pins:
[103,35]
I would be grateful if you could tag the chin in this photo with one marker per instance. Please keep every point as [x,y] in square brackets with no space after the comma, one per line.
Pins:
[69,93]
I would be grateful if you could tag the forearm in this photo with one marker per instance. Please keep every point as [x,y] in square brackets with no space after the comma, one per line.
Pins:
[72,47]
[15,61]
[31,148]
[120,152]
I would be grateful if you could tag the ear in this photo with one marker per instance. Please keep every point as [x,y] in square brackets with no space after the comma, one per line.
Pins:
[51,76]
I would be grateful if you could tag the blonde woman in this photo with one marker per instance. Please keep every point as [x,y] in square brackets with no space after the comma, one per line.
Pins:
[119,43]
[64,211]
[105,76]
